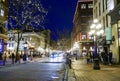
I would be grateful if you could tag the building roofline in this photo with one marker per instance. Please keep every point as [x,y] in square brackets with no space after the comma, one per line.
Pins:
[75,11]
[84,0]
[77,6]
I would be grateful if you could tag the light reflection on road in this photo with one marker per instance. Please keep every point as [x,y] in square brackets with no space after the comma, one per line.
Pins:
[56,59]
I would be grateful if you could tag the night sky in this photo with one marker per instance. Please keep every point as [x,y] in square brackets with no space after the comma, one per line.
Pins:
[60,15]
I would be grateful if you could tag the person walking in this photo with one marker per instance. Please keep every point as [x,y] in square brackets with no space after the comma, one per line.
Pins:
[13,58]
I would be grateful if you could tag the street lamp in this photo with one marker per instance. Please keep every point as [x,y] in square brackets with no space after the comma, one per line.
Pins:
[95,31]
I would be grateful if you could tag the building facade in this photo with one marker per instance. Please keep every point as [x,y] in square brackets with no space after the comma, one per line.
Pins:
[115,24]
[107,12]
[3,21]
[82,19]
[32,41]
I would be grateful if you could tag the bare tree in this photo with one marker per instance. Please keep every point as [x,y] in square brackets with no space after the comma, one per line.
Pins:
[23,14]
[64,37]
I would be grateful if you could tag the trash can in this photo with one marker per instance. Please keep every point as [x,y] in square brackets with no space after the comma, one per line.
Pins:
[96,65]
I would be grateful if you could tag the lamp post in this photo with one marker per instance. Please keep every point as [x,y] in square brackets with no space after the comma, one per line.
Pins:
[95,31]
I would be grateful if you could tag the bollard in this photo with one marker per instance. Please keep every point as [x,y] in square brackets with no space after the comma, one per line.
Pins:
[96,65]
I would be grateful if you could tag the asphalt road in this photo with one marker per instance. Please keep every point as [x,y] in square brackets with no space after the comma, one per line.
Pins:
[47,69]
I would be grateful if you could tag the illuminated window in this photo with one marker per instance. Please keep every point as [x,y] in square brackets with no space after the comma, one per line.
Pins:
[91,37]
[90,5]
[83,37]
[2,12]
[83,6]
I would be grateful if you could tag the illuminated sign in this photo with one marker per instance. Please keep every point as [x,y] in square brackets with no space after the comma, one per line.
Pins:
[108,32]
[1,45]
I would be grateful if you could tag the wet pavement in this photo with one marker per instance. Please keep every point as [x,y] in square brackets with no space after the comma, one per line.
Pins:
[39,70]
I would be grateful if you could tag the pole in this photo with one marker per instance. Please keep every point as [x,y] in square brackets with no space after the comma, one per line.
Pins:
[96,65]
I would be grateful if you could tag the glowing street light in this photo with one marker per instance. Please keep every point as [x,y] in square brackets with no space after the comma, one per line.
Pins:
[96,30]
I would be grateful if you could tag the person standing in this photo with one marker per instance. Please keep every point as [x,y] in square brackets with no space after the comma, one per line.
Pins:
[24,57]
[88,57]
[110,57]
[31,57]
[4,58]
[103,57]
[68,62]
[13,58]
[17,58]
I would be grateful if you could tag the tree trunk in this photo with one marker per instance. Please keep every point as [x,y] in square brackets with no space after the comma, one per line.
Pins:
[18,43]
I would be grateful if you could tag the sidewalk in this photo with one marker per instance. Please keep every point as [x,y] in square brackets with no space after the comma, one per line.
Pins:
[9,62]
[84,72]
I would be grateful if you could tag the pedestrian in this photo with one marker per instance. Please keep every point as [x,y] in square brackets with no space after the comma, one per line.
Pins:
[91,57]
[17,58]
[31,57]
[13,58]
[68,61]
[88,57]
[103,57]
[0,55]
[24,57]
[110,57]
[4,58]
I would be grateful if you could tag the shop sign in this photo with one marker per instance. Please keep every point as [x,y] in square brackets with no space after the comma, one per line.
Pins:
[108,32]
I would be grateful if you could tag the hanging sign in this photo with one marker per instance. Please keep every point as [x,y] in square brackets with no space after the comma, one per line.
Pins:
[108,32]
